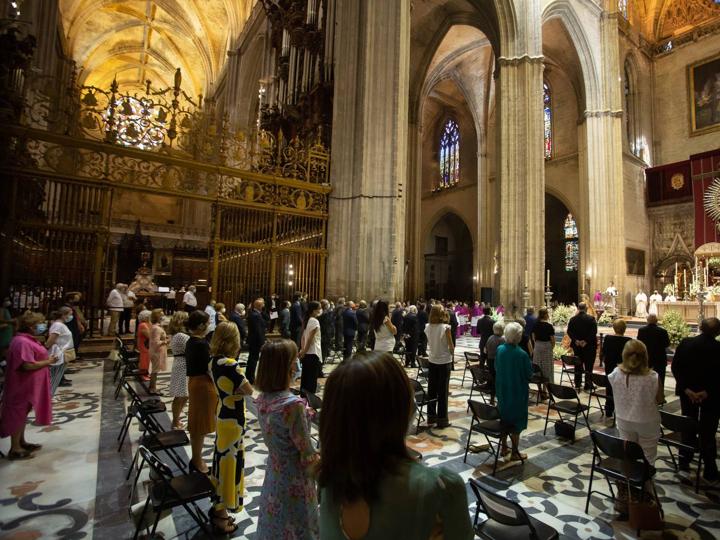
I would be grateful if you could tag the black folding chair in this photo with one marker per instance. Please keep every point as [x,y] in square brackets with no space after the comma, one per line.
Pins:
[421,400]
[156,439]
[681,427]
[486,421]
[564,399]
[570,365]
[316,403]
[471,359]
[149,406]
[620,461]
[482,383]
[538,379]
[170,491]
[506,518]
[423,368]
[598,389]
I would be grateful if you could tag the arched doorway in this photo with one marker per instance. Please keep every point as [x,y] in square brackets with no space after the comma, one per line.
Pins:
[561,250]
[448,255]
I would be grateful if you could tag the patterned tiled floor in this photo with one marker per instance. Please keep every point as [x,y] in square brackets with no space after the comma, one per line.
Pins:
[75,487]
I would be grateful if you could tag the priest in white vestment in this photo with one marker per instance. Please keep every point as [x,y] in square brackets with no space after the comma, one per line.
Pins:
[641,301]
[654,299]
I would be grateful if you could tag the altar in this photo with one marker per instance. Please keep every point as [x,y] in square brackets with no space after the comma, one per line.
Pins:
[689,310]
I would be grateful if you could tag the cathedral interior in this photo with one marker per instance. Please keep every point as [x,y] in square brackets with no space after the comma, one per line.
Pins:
[515,152]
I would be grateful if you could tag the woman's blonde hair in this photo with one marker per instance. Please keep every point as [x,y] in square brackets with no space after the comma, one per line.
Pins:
[634,358]
[178,323]
[27,321]
[156,315]
[619,326]
[438,315]
[225,340]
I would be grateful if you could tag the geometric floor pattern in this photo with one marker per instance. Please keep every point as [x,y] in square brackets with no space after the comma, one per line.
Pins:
[75,486]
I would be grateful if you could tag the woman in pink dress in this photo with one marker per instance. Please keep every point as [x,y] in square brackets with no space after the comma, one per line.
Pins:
[27,385]
[143,342]
[158,349]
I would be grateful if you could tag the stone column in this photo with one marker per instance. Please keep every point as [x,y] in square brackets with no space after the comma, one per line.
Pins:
[366,228]
[521,172]
[601,171]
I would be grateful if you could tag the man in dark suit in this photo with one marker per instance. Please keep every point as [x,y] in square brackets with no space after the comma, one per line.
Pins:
[696,367]
[327,329]
[350,324]
[411,332]
[484,329]
[256,337]
[363,319]
[396,317]
[656,340]
[453,321]
[339,309]
[296,319]
[422,320]
[582,329]
[237,316]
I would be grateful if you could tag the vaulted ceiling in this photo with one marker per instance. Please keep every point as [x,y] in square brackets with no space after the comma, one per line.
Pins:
[137,40]
[660,19]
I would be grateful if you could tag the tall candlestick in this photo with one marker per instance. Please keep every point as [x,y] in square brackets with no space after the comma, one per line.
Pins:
[548,278]
[526,278]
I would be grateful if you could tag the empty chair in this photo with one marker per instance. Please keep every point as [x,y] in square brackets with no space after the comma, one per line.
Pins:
[316,404]
[482,382]
[540,380]
[569,367]
[681,432]
[620,461]
[564,399]
[423,368]
[170,491]
[486,420]
[471,359]
[149,406]
[421,400]
[598,389]
[507,520]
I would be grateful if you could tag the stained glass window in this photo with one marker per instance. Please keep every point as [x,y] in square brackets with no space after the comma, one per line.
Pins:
[630,119]
[572,251]
[449,155]
[547,119]
[623,8]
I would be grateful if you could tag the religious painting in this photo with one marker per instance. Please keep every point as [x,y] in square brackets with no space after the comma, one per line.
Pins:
[163,262]
[635,260]
[704,84]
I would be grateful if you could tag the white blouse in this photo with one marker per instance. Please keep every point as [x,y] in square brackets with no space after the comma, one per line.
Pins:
[634,396]
[384,340]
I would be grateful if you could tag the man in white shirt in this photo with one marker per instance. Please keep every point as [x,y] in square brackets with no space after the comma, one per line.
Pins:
[115,307]
[210,310]
[128,302]
[189,300]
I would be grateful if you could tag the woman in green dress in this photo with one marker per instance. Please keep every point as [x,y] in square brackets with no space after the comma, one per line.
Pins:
[228,471]
[371,488]
[513,371]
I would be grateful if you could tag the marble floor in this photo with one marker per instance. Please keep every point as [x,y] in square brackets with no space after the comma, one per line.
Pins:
[75,486]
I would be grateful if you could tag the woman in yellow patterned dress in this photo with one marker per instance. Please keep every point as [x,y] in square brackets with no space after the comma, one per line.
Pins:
[229,459]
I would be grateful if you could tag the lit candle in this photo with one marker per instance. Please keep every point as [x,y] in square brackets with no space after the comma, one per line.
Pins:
[548,278]
[526,278]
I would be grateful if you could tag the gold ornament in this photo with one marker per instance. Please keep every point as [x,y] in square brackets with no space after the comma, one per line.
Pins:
[711,201]
[677,181]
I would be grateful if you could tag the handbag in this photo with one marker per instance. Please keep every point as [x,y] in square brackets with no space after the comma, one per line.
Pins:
[645,513]
[69,355]
[565,430]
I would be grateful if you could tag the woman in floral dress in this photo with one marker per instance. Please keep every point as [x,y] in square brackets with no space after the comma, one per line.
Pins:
[288,502]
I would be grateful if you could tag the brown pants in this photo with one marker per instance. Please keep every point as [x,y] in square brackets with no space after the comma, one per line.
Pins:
[113,326]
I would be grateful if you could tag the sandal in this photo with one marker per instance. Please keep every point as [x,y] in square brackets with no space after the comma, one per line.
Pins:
[221,530]
[19,455]
[504,451]
[30,447]
[518,457]
[211,515]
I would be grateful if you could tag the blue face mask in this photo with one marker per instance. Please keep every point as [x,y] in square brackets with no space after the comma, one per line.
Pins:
[40,328]
[69,318]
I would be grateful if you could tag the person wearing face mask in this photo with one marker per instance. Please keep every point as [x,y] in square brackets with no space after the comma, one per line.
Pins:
[311,351]
[202,395]
[78,324]
[60,344]
[220,313]
[6,327]
[27,385]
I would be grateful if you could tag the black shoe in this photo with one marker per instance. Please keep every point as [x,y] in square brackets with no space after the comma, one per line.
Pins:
[442,424]
[684,466]
[64,382]
[711,478]
[71,371]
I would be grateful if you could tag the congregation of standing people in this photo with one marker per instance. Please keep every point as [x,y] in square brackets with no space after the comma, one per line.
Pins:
[363,468]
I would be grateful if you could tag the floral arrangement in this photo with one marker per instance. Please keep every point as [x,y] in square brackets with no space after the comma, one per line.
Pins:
[559,351]
[497,316]
[605,319]
[714,261]
[669,289]
[676,327]
[561,314]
